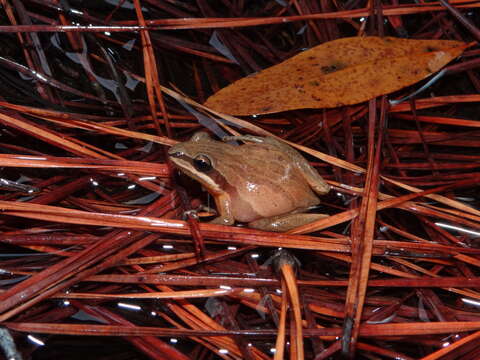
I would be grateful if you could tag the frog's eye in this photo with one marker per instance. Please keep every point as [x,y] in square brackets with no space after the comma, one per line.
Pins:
[202,163]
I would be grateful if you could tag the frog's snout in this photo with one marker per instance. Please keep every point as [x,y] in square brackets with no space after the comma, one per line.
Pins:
[175,154]
[174,151]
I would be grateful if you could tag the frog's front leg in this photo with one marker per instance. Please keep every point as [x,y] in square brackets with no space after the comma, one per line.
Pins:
[224,209]
[283,223]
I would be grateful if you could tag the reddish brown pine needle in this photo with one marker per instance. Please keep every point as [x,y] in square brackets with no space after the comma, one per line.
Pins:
[107,250]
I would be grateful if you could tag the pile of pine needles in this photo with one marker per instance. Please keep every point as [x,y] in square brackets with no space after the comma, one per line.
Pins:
[100,257]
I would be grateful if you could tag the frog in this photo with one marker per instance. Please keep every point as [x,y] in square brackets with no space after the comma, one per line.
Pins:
[263,182]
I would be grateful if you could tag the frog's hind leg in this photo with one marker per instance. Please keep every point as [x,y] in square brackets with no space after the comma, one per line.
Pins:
[283,223]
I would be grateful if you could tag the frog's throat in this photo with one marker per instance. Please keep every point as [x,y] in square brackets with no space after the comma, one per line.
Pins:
[205,179]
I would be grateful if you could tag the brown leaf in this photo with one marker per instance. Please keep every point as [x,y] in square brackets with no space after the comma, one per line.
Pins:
[341,72]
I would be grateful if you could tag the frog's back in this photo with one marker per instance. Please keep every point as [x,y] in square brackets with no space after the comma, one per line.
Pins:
[262,182]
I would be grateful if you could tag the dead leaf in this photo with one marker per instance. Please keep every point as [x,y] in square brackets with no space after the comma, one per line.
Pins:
[341,72]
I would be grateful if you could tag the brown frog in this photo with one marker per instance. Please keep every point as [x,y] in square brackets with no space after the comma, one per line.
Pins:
[265,182]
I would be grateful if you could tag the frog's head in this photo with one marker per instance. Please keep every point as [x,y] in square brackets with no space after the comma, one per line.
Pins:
[197,158]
